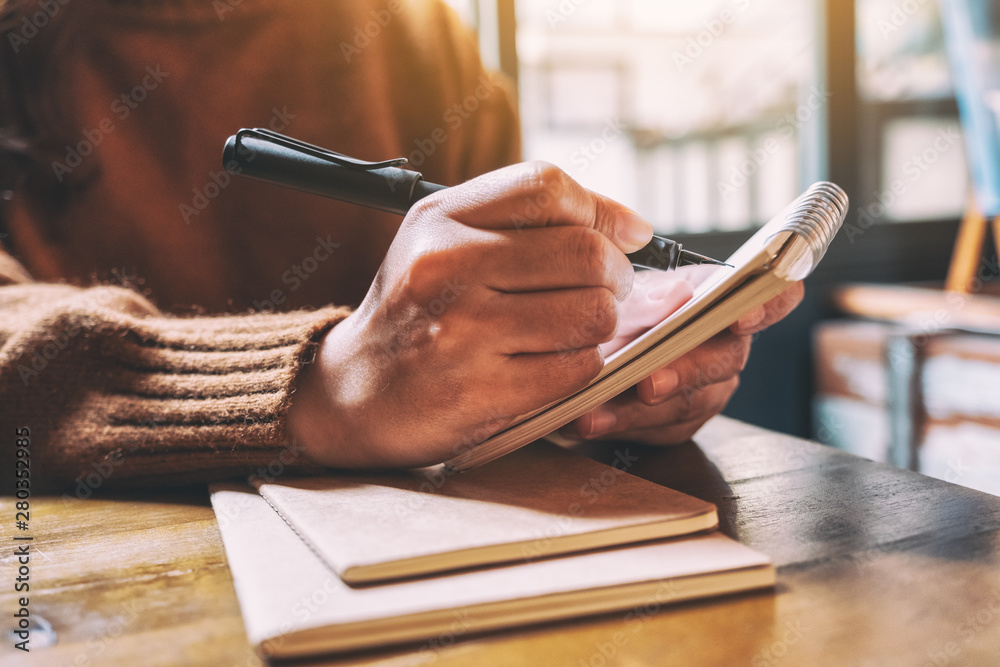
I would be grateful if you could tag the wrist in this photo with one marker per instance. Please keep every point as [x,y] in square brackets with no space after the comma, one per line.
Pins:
[314,420]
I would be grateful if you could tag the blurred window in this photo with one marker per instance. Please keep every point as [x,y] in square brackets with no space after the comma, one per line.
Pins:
[688,112]
[911,153]
[710,116]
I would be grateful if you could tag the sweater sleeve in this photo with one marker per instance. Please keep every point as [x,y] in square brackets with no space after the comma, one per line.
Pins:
[113,392]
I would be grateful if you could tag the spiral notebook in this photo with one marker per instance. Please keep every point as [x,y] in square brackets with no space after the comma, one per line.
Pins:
[783,251]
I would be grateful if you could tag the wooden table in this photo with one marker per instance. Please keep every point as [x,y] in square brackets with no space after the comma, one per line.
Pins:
[877,566]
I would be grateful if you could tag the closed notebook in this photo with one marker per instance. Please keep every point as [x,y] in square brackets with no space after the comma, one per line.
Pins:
[294,605]
[782,252]
[540,501]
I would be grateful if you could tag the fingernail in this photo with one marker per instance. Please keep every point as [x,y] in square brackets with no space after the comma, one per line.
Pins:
[602,420]
[634,231]
[665,383]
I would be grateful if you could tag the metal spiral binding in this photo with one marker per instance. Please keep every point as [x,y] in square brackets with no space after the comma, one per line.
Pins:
[816,216]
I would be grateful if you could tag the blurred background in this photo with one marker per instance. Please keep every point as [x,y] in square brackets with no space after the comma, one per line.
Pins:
[709,117]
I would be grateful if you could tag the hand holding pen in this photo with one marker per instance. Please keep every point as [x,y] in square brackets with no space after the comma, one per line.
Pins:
[485,308]
[471,321]
[275,158]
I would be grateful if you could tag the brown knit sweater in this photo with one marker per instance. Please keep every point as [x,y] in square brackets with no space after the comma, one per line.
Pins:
[154,314]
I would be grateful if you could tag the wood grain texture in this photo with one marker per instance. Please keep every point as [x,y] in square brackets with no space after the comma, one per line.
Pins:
[877,566]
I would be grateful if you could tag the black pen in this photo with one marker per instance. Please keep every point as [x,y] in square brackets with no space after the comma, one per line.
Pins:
[275,158]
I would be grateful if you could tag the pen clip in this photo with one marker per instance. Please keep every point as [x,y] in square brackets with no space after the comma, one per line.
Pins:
[317,152]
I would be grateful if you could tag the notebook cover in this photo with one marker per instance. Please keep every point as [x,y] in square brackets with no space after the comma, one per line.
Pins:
[539,501]
[294,605]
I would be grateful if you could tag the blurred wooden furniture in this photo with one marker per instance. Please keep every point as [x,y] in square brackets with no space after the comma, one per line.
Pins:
[916,381]
[968,252]
[876,566]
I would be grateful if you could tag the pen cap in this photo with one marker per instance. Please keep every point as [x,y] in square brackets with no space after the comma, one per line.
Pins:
[387,189]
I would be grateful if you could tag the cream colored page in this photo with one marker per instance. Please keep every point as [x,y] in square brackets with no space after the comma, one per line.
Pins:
[260,546]
[535,497]
[709,282]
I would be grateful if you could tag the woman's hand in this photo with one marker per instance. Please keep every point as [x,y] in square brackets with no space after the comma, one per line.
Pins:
[492,301]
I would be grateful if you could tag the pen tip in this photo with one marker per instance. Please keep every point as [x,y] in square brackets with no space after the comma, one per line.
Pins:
[693,258]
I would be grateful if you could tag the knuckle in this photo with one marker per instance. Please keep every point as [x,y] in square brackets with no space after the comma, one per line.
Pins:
[564,373]
[589,254]
[582,366]
[601,311]
[604,216]
[541,175]
[591,363]
[421,209]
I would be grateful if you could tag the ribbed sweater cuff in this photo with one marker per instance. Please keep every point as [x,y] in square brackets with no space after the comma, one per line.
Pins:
[167,400]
